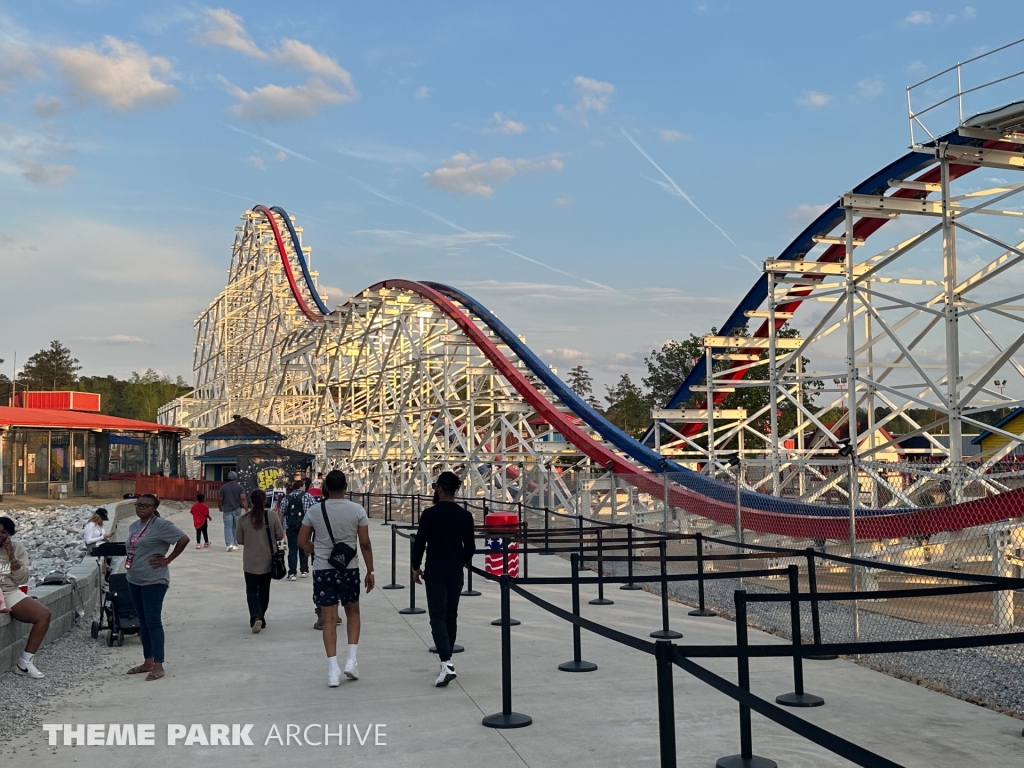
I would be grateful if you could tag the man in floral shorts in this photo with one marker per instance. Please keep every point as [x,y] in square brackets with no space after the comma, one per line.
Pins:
[349,524]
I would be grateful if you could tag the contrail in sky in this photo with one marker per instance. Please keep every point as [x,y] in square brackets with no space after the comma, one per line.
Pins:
[437,217]
[675,189]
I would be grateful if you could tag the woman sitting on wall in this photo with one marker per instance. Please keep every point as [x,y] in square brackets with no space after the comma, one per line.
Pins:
[14,571]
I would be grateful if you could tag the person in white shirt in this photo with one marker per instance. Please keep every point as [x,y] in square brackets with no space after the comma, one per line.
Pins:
[349,525]
[93,533]
[318,483]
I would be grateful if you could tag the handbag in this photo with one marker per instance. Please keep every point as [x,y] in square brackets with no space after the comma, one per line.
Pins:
[341,553]
[277,567]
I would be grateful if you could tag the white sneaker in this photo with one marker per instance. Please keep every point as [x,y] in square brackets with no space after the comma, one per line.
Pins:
[446,675]
[333,678]
[257,626]
[227,548]
[351,670]
[304,574]
[234,547]
[199,546]
[290,577]
[28,669]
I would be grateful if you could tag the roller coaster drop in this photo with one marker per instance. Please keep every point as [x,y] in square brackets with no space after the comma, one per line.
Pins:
[409,378]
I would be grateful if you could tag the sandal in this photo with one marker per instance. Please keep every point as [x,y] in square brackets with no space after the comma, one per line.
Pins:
[139,669]
[155,674]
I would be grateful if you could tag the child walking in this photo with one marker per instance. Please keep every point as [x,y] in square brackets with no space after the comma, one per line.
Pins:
[200,519]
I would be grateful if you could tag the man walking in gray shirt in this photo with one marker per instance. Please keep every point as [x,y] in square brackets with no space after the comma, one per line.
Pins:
[232,502]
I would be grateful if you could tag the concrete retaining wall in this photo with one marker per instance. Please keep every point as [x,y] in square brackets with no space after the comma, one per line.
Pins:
[63,605]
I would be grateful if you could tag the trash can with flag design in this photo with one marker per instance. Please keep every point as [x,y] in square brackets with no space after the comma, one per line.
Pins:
[495,522]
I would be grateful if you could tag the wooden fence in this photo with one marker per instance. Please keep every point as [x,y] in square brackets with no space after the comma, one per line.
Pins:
[174,488]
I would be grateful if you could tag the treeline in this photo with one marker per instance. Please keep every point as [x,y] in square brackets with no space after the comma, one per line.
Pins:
[56,369]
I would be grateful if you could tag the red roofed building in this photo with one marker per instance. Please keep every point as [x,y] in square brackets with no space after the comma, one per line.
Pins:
[59,452]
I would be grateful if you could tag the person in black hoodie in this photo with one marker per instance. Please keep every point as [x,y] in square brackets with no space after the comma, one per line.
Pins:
[446,533]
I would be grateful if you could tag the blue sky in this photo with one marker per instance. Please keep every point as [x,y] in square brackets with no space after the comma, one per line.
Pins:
[508,149]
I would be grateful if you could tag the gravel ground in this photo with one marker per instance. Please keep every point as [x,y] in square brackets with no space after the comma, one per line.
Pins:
[71,664]
[986,676]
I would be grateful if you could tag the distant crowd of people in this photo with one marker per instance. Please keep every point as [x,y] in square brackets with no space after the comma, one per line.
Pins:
[312,521]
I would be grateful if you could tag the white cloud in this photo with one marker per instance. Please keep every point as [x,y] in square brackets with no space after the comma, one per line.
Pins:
[223,29]
[46,106]
[121,75]
[45,175]
[805,213]
[563,202]
[422,93]
[295,54]
[278,103]
[505,126]
[379,153]
[17,62]
[281,157]
[870,87]
[970,12]
[463,174]
[449,242]
[918,18]
[813,99]
[594,96]
[100,274]
[117,340]
[669,135]
[256,162]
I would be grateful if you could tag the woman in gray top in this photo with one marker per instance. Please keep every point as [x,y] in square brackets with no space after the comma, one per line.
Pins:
[259,534]
[148,578]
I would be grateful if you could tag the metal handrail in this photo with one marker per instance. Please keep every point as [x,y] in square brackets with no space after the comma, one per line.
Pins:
[914,117]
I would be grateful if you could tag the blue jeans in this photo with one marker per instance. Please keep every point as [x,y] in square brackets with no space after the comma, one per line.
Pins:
[149,603]
[296,556]
[230,521]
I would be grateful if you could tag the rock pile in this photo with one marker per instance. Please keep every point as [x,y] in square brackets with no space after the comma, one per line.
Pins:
[53,537]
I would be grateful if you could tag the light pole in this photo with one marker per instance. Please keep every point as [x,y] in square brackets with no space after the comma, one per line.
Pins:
[736,462]
[846,449]
[1001,385]
[841,382]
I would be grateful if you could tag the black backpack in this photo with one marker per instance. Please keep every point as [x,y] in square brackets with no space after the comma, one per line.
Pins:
[294,511]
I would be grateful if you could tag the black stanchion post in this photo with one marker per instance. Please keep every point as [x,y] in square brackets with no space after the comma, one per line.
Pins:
[412,608]
[812,587]
[629,550]
[394,573]
[577,664]
[664,633]
[798,698]
[701,610]
[547,533]
[500,622]
[600,599]
[469,591]
[666,703]
[506,718]
[525,528]
[579,528]
[746,758]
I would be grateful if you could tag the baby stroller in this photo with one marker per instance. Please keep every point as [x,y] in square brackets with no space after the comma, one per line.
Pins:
[117,612]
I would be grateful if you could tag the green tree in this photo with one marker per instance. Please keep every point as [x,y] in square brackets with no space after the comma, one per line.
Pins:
[50,369]
[582,383]
[143,395]
[669,366]
[628,407]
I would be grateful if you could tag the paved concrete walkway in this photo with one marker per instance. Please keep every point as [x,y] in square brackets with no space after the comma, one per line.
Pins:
[218,672]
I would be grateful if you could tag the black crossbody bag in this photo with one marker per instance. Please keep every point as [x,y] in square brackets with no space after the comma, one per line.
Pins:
[341,553]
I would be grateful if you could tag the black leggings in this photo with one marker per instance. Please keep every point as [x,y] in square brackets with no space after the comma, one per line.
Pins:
[257,595]
[201,533]
[443,590]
